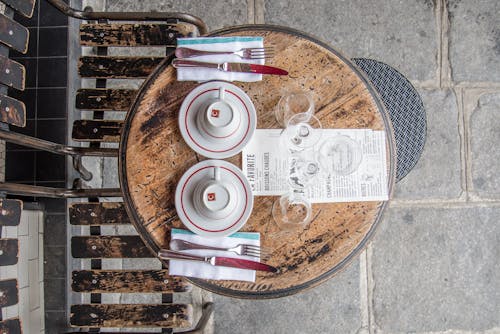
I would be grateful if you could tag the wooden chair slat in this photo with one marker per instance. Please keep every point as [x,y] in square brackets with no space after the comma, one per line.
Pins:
[12,73]
[8,293]
[12,111]
[131,315]
[105,213]
[97,247]
[117,67]
[105,99]
[13,34]
[135,34]
[10,326]
[9,251]
[23,7]
[97,130]
[127,281]
[10,212]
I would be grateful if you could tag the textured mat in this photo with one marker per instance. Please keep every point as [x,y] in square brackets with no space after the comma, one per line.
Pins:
[405,109]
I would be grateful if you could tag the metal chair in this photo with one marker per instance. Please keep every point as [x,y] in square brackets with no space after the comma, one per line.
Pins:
[95,214]
[13,112]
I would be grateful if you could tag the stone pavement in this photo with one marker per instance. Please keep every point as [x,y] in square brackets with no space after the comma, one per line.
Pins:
[433,266]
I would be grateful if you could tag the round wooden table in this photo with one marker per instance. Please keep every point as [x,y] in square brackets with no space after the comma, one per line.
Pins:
[153,157]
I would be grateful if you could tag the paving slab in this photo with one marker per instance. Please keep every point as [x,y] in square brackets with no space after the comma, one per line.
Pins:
[93,165]
[484,139]
[333,307]
[55,262]
[436,269]
[402,34]
[437,174]
[56,322]
[474,40]
[110,173]
[215,13]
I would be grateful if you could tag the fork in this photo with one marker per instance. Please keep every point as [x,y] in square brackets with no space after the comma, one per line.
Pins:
[241,249]
[246,53]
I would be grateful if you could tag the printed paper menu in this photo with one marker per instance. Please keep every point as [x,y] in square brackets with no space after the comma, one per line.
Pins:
[266,164]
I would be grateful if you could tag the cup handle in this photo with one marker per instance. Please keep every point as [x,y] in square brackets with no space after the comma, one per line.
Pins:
[222,93]
[217,173]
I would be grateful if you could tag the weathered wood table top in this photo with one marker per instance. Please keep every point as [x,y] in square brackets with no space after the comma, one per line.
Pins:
[153,157]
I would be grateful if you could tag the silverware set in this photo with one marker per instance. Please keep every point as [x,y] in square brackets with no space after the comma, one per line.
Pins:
[245,53]
[230,67]
[217,261]
[241,249]
[184,54]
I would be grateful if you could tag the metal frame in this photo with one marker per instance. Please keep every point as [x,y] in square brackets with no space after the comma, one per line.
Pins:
[39,191]
[75,152]
[40,144]
[129,16]
[207,310]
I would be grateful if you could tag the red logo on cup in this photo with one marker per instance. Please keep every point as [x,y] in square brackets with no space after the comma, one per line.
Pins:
[215,112]
[211,197]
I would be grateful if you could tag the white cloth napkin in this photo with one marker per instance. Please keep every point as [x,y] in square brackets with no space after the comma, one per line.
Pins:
[206,270]
[219,44]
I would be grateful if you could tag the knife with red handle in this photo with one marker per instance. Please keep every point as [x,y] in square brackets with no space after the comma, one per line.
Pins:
[166,254]
[230,67]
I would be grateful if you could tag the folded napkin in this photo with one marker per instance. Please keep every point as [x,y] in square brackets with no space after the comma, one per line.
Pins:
[219,44]
[206,270]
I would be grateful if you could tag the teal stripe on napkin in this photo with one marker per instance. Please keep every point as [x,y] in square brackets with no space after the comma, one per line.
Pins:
[213,40]
[242,235]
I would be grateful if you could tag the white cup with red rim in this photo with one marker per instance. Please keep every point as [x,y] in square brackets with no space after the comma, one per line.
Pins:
[213,198]
[220,118]
[217,119]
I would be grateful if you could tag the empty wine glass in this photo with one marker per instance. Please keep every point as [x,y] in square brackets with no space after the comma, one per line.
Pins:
[292,211]
[302,131]
[293,103]
[340,155]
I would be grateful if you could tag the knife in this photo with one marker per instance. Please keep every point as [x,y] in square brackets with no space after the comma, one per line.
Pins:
[166,254]
[230,67]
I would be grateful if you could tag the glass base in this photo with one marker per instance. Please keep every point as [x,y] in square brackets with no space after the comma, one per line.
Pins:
[292,212]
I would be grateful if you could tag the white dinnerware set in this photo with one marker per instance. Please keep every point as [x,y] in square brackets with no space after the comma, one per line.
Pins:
[213,198]
[217,120]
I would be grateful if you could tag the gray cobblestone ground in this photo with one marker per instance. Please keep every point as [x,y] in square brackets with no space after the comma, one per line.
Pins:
[475,40]
[436,268]
[315,311]
[433,265]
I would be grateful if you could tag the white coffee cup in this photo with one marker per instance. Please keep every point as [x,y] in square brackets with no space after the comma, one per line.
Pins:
[218,118]
[214,198]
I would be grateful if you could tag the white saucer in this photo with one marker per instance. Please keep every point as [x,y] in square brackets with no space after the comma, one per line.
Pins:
[216,147]
[200,224]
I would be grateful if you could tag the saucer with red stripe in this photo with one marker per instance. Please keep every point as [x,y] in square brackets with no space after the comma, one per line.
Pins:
[221,207]
[213,140]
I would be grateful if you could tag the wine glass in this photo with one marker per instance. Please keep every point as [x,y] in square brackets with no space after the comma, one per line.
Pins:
[292,211]
[293,103]
[302,131]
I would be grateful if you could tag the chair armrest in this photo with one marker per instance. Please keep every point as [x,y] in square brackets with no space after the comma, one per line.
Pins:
[207,311]
[129,16]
